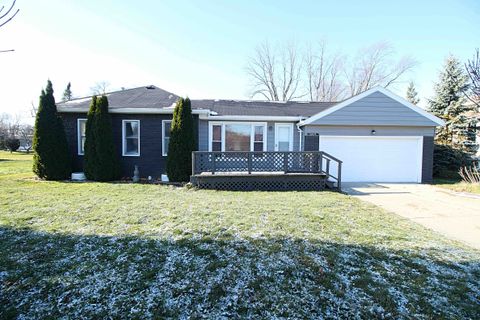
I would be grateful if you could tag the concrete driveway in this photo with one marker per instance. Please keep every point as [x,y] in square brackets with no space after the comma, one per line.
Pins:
[453,215]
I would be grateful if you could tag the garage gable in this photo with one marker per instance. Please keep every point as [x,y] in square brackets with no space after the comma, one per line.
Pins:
[377,106]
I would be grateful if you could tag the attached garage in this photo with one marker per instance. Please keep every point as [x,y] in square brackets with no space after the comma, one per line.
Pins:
[376,159]
[377,135]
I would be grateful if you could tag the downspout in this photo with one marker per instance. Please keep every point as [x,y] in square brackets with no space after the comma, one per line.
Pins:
[300,135]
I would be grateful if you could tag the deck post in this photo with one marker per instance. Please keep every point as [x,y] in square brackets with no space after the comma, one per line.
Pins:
[193,163]
[339,177]
[285,162]
[320,166]
[249,162]
[213,164]
[328,167]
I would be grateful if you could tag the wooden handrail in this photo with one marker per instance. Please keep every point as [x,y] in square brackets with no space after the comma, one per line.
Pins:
[250,161]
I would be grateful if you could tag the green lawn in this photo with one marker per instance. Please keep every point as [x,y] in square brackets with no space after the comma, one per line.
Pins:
[458,186]
[101,250]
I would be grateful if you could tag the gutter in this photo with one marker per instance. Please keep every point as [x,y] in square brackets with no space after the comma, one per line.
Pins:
[64,109]
[204,114]
[251,118]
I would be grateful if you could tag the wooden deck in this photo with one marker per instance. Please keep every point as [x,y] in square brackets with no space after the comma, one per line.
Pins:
[266,171]
[263,181]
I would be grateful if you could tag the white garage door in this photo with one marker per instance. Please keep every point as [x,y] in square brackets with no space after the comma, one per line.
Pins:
[376,159]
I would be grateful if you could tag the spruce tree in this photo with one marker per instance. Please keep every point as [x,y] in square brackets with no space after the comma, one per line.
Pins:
[412,94]
[107,166]
[90,155]
[182,142]
[450,104]
[51,158]
[67,94]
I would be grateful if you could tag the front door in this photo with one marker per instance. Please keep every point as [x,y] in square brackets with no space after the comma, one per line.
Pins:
[283,137]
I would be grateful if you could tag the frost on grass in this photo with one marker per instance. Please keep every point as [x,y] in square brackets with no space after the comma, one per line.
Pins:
[84,277]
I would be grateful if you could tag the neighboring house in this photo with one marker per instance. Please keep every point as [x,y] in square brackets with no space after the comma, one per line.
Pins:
[379,136]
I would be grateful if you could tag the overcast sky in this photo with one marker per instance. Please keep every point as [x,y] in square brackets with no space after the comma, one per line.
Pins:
[200,48]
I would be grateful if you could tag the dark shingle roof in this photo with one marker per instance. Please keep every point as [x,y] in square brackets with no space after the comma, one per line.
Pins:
[153,97]
[141,97]
[261,108]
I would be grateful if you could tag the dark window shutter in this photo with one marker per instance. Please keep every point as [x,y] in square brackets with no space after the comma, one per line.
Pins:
[311,143]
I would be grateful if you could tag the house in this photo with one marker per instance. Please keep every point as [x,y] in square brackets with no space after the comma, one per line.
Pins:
[379,136]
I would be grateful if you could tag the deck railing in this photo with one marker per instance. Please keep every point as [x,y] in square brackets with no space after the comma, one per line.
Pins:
[267,161]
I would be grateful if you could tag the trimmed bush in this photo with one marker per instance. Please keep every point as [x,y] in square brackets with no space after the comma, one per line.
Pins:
[107,166]
[182,142]
[51,158]
[90,155]
[12,144]
[100,159]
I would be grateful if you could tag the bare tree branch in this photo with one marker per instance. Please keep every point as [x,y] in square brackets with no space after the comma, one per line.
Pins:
[283,74]
[323,74]
[5,16]
[275,75]
[375,65]
[473,70]
[100,87]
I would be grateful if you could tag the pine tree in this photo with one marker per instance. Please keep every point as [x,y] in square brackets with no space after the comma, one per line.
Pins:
[412,94]
[90,155]
[450,104]
[107,166]
[51,158]
[67,94]
[182,142]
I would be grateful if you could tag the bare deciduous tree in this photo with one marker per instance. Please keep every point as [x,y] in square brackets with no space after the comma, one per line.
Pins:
[275,73]
[100,87]
[282,75]
[26,137]
[9,127]
[324,74]
[375,65]
[33,110]
[473,70]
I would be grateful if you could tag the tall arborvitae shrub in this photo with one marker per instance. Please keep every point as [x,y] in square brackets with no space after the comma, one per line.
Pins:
[90,155]
[182,142]
[107,168]
[51,158]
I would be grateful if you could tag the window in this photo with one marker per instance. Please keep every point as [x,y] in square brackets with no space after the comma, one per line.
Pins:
[237,136]
[131,137]
[166,126]
[216,138]
[81,128]
[258,138]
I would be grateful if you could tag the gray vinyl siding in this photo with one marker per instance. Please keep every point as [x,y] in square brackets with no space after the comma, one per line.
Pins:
[376,109]
[202,135]
[367,131]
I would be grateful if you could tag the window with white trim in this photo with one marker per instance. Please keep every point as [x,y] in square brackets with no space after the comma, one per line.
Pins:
[131,137]
[216,138]
[166,127]
[81,129]
[238,136]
